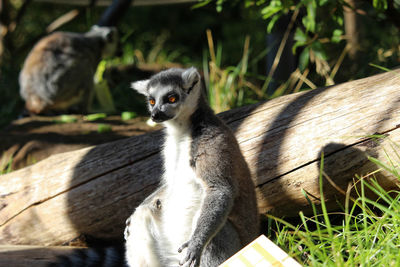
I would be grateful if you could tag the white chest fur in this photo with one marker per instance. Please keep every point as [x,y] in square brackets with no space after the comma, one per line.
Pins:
[184,191]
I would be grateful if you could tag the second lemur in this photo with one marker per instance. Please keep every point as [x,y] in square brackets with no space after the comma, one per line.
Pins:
[205,209]
[58,73]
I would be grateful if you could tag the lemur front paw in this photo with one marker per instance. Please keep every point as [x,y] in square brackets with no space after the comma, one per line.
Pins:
[126,231]
[193,254]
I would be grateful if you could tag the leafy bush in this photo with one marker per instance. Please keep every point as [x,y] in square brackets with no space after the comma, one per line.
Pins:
[334,41]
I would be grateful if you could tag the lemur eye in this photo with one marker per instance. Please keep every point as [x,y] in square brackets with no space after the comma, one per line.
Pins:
[172,99]
[152,101]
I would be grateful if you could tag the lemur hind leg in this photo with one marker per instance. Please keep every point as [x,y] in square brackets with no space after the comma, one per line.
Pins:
[224,245]
[142,234]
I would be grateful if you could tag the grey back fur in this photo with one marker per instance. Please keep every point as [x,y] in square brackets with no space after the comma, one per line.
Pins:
[58,73]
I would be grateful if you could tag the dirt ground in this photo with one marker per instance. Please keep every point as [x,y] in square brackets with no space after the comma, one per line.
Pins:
[31,139]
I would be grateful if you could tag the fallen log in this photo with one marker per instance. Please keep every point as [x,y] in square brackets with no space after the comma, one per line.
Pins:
[93,190]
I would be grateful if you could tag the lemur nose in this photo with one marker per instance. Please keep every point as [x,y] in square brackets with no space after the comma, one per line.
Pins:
[159,116]
[155,115]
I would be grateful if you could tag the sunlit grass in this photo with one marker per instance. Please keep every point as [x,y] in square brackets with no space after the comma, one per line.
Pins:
[365,233]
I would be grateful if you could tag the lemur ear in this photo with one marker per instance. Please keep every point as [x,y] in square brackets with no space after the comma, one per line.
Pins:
[141,87]
[95,28]
[111,34]
[190,78]
[107,33]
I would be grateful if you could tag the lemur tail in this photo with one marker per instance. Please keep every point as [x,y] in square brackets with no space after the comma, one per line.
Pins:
[106,256]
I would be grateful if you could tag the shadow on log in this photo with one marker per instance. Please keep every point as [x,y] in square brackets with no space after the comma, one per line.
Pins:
[90,192]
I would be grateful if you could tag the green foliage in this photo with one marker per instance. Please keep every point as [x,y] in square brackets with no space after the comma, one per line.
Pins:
[206,2]
[320,39]
[167,44]
[152,44]
[379,67]
[228,87]
[104,128]
[321,35]
[66,119]
[364,233]
[128,115]
[102,90]
[95,116]
[380,5]
[7,168]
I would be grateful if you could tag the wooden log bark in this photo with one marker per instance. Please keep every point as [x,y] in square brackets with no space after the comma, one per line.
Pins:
[93,190]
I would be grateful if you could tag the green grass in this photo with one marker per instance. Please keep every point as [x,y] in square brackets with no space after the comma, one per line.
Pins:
[7,168]
[364,233]
[231,86]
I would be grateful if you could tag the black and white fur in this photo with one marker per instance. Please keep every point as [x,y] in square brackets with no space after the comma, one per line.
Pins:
[205,210]
[112,256]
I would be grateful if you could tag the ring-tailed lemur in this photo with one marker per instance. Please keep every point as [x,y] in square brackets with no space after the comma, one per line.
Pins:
[58,72]
[206,209]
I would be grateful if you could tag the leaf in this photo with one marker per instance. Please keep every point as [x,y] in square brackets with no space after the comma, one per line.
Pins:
[380,4]
[95,116]
[323,2]
[128,115]
[309,24]
[274,7]
[336,35]
[318,50]
[98,76]
[304,59]
[104,96]
[294,47]
[300,36]
[379,67]
[309,20]
[338,19]
[104,128]
[201,4]
[272,22]
[301,39]
[270,11]
[66,119]
[219,5]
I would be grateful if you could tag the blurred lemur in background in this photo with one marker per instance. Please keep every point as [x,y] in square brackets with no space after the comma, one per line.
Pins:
[58,73]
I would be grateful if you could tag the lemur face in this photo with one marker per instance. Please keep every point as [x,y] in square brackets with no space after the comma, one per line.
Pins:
[110,37]
[165,102]
[170,93]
